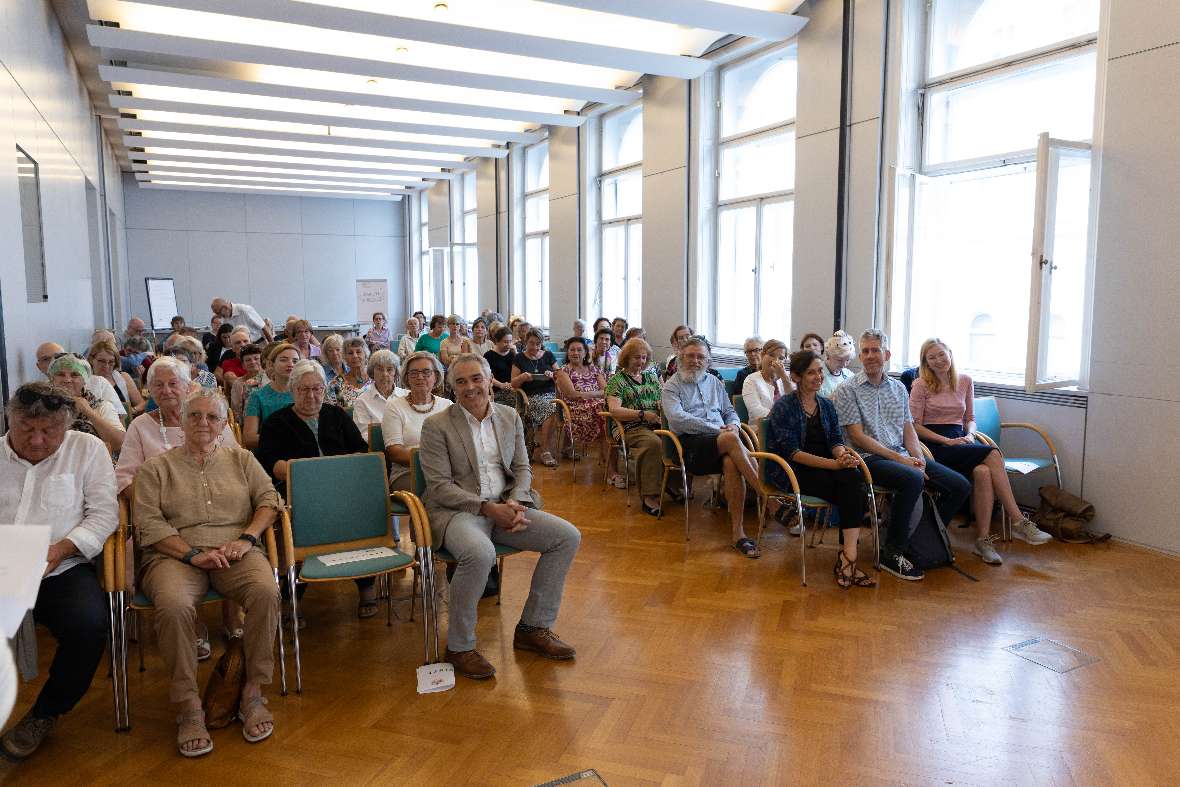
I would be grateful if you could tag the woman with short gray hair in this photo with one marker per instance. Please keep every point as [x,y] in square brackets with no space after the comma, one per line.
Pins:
[343,389]
[94,416]
[401,424]
[369,408]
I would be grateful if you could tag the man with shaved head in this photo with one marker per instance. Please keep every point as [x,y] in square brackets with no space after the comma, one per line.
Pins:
[99,386]
[242,315]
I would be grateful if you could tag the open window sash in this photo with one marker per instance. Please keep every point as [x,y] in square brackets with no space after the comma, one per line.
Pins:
[1059,265]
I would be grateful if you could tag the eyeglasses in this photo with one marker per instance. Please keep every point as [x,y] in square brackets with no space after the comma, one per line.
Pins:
[420,373]
[52,401]
[316,389]
[210,418]
[753,349]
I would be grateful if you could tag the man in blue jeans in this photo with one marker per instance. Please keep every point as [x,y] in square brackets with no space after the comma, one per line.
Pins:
[874,412]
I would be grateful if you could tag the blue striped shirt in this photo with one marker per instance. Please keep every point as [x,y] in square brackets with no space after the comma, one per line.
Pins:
[881,410]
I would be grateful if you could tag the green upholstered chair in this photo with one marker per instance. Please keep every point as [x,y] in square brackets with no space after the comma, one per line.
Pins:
[988,430]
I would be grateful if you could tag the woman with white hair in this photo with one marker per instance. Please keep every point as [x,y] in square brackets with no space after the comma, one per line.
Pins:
[332,356]
[343,389]
[188,349]
[369,407]
[405,346]
[92,415]
[401,423]
[839,349]
[579,329]
[195,542]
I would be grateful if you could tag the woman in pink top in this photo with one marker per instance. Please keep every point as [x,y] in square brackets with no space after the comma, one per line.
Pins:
[942,402]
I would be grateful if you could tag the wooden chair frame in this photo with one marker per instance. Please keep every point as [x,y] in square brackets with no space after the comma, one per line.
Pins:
[685,479]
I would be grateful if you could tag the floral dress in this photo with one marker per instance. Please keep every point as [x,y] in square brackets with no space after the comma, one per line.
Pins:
[587,425]
[342,392]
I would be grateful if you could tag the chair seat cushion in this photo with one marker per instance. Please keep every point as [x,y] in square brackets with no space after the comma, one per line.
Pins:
[141,601]
[814,502]
[1024,466]
[314,568]
[501,551]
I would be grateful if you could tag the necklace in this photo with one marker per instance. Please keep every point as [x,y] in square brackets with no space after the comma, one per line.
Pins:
[163,430]
[418,408]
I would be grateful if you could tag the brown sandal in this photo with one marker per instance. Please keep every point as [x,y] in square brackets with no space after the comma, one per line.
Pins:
[847,574]
[190,726]
[252,713]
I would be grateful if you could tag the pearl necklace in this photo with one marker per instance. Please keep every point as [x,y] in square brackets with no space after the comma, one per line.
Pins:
[163,430]
[418,408]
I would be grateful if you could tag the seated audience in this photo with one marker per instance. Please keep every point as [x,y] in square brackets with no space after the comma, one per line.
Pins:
[302,338]
[190,351]
[760,391]
[454,344]
[421,318]
[369,407]
[135,328]
[942,403]
[230,368]
[702,417]
[476,503]
[812,342]
[432,341]
[521,331]
[634,332]
[600,324]
[104,363]
[875,416]
[136,356]
[604,356]
[405,346]
[332,356]
[268,399]
[224,345]
[401,423]
[804,429]
[500,358]
[480,341]
[378,335]
[633,398]
[579,329]
[48,352]
[64,479]
[252,378]
[308,428]
[838,351]
[535,371]
[618,329]
[242,315]
[343,389]
[209,339]
[91,414]
[679,336]
[752,349]
[192,542]
[583,387]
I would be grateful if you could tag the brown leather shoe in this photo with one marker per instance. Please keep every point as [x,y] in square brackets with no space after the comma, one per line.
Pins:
[27,736]
[542,641]
[470,664]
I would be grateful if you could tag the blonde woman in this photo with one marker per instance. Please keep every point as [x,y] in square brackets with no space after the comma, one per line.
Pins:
[332,356]
[453,344]
[763,388]
[840,349]
[103,357]
[942,404]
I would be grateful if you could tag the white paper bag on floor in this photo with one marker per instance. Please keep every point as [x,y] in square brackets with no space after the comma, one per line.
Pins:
[435,677]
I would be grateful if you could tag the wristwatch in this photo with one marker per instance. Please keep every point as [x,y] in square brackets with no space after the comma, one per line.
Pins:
[248,537]
[188,557]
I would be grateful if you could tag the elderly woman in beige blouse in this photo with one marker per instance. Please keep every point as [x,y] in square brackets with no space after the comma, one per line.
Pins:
[201,511]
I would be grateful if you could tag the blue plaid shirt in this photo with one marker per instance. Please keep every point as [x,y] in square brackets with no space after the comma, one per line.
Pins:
[881,410]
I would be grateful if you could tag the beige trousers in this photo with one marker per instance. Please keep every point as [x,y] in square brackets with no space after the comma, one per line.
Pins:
[645,446]
[175,590]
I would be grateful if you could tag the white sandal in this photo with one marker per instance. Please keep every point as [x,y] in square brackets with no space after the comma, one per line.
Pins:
[190,726]
[252,713]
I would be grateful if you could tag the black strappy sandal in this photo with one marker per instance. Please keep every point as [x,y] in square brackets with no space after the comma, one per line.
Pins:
[747,547]
[847,574]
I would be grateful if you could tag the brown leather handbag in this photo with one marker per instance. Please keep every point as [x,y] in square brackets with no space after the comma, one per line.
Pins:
[223,692]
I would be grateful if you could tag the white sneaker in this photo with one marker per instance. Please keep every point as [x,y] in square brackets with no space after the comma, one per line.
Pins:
[1027,531]
[796,529]
[985,550]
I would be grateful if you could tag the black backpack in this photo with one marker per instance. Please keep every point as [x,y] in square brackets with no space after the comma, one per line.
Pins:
[929,545]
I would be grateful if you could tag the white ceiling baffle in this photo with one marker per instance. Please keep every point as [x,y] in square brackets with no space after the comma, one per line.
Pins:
[368,99]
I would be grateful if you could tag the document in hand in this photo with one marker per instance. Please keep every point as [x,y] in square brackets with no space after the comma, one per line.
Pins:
[24,550]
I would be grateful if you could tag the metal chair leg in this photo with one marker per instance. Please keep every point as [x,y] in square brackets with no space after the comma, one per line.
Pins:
[663,486]
[802,540]
[876,531]
[413,590]
[123,657]
[139,641]
[684,487]
[500,587]
[387,581]
[295,629]
[282,645]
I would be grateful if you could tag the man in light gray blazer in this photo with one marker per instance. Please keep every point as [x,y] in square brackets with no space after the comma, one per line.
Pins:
[478,494]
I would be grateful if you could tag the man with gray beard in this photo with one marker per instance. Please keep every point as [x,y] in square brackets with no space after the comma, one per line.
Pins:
[702,417]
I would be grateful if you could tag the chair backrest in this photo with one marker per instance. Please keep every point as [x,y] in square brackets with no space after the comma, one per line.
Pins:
[416,470]
[729,372]
[763,427]
[739,404]
[337,499]
[559,358]
[987,417]
[376,440]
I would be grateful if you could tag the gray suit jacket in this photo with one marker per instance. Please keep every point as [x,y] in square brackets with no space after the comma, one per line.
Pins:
[451,468]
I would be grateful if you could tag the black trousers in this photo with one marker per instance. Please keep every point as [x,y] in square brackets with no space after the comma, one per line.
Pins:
[843,488]
[73,606]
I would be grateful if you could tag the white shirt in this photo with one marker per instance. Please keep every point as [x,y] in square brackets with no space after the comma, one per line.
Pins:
[103,390]
[401,425]
[759,395]
[405,348]
[72,491]
[243,315]
[492,479]
[369,407]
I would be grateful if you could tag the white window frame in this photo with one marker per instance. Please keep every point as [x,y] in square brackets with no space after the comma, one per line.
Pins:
[538,314]
[758,200]
[628,222]
[1033,378]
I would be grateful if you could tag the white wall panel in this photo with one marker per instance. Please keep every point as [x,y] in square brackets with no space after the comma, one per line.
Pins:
[276,274]
[868,26]
[815,233]
[487,260]
[326,216]
[665,255]
[329,278]
[563,263]
[1138,25]
[217,269]
[163,254]
[861,260]
[819,67]
[375,217]
[273,213]
[665,124]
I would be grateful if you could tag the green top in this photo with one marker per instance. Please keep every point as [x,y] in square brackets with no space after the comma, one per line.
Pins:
[266,401]
[430,344]
[633,395]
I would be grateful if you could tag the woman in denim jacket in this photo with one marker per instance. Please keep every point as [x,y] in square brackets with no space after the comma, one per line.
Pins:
[803,428]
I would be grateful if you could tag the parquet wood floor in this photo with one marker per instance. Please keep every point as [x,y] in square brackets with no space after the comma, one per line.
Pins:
[698,666]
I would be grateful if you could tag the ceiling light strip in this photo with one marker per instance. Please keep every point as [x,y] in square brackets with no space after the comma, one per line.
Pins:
[238,169]
[286,192]
[133,104]
[132,124]
[141,159]
[707,14]
[362,22]
[219,83]
[130,42]
[152,142]
[277,180]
